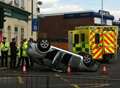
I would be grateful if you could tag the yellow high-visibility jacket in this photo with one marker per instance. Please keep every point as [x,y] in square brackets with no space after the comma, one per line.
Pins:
[25,49]
[4,47]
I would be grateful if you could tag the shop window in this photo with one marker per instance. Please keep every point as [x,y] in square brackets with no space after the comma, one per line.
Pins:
[16,3]
[22,33]
[22,4]
[9,33]
[16,32]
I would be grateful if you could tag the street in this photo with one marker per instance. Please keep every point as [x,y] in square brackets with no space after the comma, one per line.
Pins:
[45,78]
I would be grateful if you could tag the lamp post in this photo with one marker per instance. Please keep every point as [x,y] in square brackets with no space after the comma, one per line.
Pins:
[102,13]
[31,16]
[34,15]
[38,19]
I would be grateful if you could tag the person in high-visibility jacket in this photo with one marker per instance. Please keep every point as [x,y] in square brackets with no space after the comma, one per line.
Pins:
[25,59]
[19,54]
[4,52]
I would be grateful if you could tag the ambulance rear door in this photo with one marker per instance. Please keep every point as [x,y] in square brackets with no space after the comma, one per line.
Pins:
[109,40]
[96,42]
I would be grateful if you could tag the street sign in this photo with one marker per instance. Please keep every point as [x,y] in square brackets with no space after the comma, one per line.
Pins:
[34,25]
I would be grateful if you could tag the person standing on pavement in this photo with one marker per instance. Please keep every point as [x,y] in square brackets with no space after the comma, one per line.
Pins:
[4,52]
[19,54]
[13,53]
[30,42]
[25,58]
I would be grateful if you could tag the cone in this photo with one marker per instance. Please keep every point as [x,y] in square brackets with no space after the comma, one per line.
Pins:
[69,71]
[104,70]
[24,68]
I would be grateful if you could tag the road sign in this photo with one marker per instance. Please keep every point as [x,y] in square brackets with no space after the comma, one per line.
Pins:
[34,25]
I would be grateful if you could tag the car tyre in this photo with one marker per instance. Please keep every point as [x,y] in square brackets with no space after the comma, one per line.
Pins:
[43,45]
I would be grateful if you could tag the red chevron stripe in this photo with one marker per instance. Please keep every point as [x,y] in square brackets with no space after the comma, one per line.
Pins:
[106,41]
[108,38]
[100,54]
[111,35]
[98,50]
[108,49]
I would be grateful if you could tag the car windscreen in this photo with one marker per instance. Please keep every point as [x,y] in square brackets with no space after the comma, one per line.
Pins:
[66,58]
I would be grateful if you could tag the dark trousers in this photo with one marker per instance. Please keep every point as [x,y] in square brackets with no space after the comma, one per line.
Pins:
[13,61]
[31,62]
[25,60]
[19,62]
[4,59]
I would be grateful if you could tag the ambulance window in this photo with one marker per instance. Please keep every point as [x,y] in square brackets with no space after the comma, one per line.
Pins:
[82,37]
[76,38]
[97,38]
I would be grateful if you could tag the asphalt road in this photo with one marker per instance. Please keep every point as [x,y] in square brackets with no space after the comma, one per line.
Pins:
[45,78]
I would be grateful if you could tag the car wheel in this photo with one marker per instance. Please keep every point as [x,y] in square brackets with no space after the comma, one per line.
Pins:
[87,60]
[43,45]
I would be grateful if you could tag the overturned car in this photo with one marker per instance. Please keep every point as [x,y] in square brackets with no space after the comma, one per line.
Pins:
[58,59]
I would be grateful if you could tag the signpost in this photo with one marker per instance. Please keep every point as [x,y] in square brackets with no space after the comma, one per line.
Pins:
[34,24]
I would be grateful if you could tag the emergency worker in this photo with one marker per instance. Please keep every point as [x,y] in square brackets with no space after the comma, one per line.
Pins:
[13,53]
[4,52]
[25,53]
[19,54]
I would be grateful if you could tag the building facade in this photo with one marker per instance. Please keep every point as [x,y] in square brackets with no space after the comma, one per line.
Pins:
[18,19]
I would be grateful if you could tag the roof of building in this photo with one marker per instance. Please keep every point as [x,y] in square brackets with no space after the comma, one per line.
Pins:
[79,14]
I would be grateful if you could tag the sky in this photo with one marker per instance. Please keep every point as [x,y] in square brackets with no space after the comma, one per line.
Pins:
[61,6]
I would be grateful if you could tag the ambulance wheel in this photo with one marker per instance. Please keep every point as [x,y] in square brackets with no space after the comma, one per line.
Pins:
[43,45]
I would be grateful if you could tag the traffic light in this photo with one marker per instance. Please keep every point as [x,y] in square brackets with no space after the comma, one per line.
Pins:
[1,17]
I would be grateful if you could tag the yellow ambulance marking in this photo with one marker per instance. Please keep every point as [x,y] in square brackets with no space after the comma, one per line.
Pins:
[110,50]
[111,37]
[95,50]
[108,40]
[98,54]
[92,37]
[106,50]
[105,38]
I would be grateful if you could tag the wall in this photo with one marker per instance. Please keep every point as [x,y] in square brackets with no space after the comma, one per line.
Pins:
[56,27]
[12,22]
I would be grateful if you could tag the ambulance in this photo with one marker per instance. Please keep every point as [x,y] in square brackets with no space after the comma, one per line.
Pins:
[99,41]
